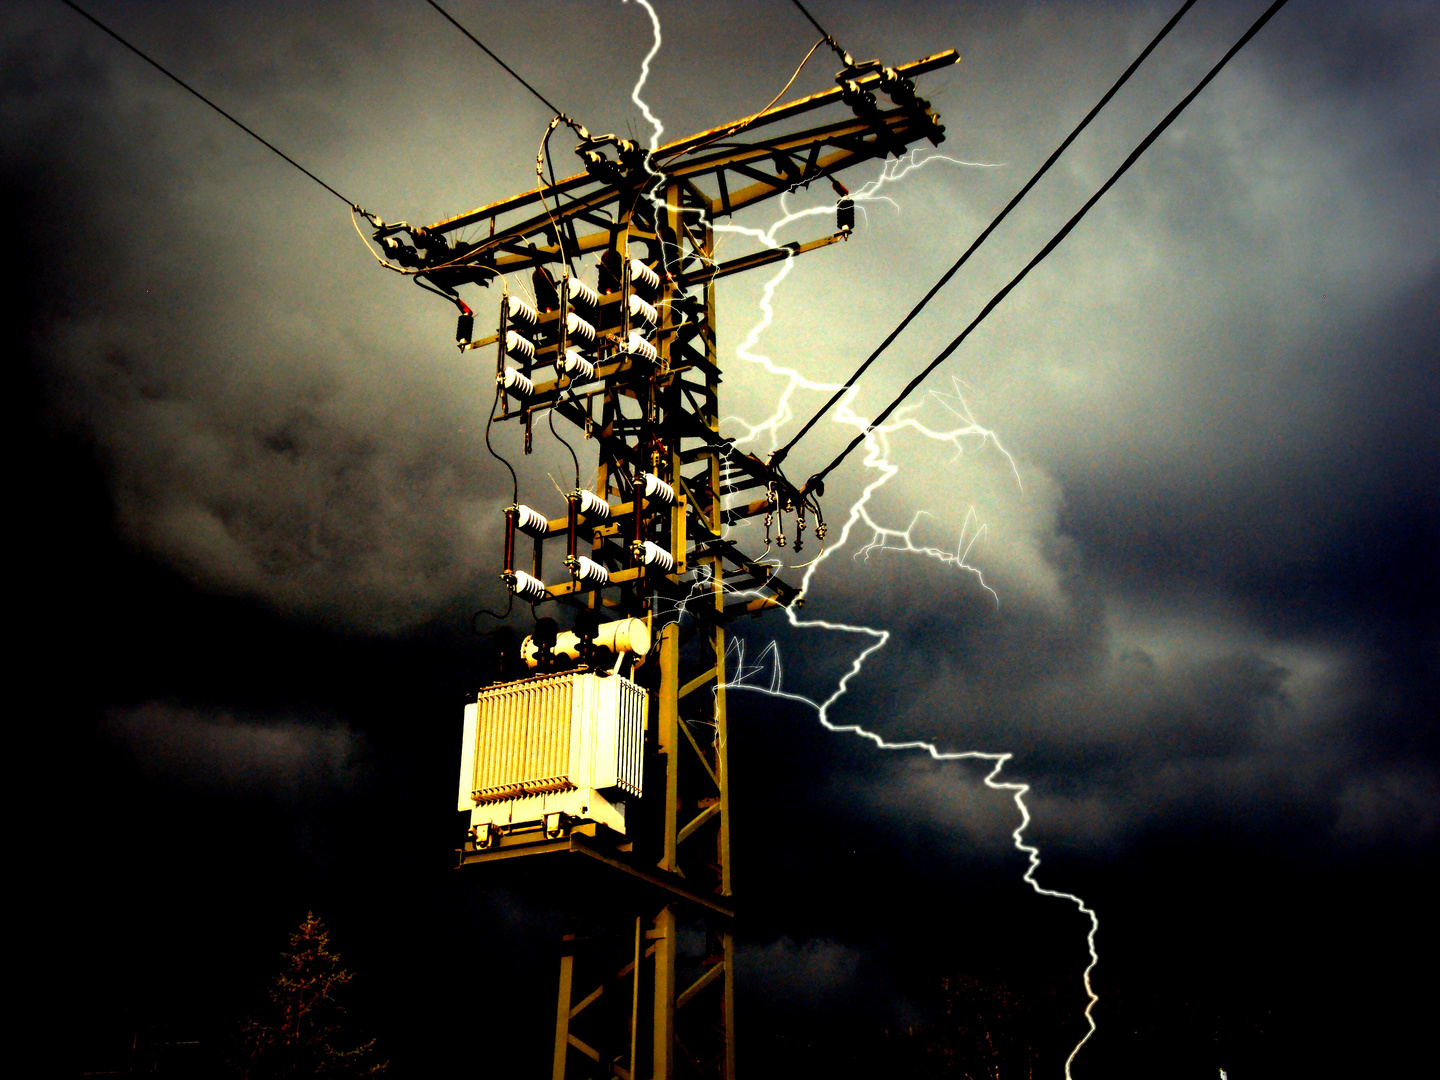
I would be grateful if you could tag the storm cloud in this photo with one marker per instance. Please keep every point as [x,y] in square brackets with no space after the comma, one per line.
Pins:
[1210,534]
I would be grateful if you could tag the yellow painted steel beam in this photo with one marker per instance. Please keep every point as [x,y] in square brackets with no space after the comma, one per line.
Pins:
[763,119]
[690,992]
[697,682]
[698,821]
[689,736]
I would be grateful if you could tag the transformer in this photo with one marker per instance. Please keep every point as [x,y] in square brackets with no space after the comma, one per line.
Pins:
[552,751]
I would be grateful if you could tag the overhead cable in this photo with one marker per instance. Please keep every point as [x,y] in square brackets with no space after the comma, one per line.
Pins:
[1135,154]
[845,57]
[487,52]
[780,454]
[186,86]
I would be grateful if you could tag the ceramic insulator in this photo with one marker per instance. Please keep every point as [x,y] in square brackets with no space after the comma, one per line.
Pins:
[638,346]
[578,290]
[578,328]
[522,348]
[652,554]
[588,572]
[593,506]
[658,490]
[643,274]
[517,383]
[639,309]
[520,311]
[531,521]
[576,366]
[526,586]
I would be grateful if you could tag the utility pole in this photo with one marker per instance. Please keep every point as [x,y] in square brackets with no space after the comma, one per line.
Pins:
[598,762]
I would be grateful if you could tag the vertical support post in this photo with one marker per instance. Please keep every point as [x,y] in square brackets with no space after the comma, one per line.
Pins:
[722,727]
[668,740]
[637,964]
[562,1007]
[663,932]
[663,936]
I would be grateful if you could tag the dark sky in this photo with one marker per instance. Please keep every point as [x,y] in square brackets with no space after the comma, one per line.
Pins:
[253,511]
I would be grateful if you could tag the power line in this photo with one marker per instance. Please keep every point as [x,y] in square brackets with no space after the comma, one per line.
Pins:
[1051,246]
[186,86]
[497,59]
[845,57]
[780,454]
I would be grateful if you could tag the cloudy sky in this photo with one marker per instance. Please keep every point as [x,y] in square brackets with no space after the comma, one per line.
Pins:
[254,512]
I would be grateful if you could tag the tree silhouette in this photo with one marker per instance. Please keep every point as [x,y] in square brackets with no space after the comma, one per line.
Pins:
[308,1032]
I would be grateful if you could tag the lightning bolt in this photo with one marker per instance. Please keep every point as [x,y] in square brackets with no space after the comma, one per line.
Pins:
[882,538]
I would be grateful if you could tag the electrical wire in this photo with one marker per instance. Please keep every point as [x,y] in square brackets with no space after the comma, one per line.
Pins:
[489,423]
[1051,246]
[540,158]
[499,616]
[780,454]
[513,73]
[551,414]
[190,89]
[845,57]
[741,125]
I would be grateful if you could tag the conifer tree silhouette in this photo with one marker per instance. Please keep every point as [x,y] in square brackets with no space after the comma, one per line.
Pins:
[307,1032]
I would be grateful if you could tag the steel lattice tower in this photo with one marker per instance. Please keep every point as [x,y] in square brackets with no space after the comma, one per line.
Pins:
[630,1003]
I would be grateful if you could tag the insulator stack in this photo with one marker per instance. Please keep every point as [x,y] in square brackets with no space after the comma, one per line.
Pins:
[636,345]
[576,366]
[650,553]
[517,384]
[517,347]
[657,490]
[578,329]
[592,506]
[521,312]
[582,293]
[587,571]
[530,521]
[642,275]
[526,586]
[646,313]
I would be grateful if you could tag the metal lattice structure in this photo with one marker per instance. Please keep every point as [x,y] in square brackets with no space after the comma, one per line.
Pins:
[631,362]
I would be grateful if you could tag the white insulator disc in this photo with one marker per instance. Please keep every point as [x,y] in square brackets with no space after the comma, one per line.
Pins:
[530,520]
[643,274]
[578,290]
[588,572]
[636,345]
[576,366]
[526,586]
[639,309]
[593,506]
[522,348]
[517,383]
[520,311]
[657,489]
[579,329]
[652,554]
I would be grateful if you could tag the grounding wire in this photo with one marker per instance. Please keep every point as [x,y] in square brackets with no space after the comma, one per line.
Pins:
[780,454]
[1049,247]
[186,86]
